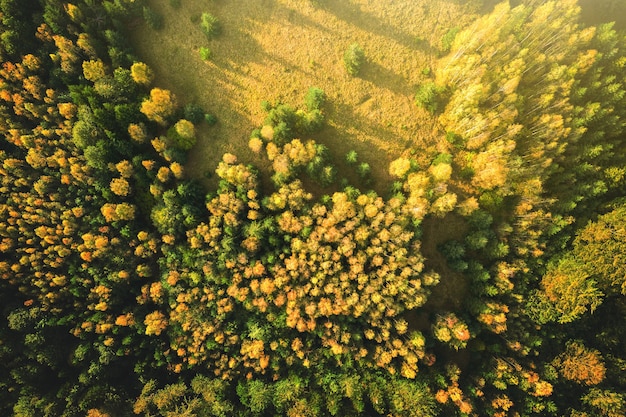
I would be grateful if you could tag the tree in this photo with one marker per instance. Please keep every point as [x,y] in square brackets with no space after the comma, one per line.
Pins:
[120,186]
[94,70]
[141,73]
[600,250]
[605,402]
[155,323]
[210,25]
[160,106]
[194,113]
[580,364]
[314,98]
[449,329]
[353,59]
[431,97]
[152,18]
[183,134]
[570,289]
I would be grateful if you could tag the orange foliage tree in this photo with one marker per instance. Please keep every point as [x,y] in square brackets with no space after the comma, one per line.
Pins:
[580,364]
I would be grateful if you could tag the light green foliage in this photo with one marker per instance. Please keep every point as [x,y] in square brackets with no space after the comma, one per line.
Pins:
[213,392]
[353,59]
[153,19]
[183,135]
[410,399]
[210,119]
[578,282]
[431,97]
[256,395]
[600,251]
[447,39]
[205,53]
[287,123]
[314,98]
[210,25]
[364,170]
[351,157]
[570,289]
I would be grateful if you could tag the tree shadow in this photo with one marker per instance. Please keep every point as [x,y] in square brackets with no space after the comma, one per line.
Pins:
[385,78]
[301,18]
[353,14]
[340,137]
[245,68]
[453,286]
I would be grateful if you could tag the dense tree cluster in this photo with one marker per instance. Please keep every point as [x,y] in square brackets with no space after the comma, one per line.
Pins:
[126,287]
[533,113]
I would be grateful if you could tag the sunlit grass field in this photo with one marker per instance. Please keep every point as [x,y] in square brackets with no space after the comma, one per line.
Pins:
[275,50]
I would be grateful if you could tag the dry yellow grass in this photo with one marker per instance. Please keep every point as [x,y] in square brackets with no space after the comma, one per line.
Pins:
[276,49]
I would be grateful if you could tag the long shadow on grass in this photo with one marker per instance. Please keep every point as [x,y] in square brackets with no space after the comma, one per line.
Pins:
[338,137]
[385,78]
[295,16]
[369,126]
[352,14]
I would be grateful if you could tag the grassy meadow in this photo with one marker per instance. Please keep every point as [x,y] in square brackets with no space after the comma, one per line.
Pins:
[275,50]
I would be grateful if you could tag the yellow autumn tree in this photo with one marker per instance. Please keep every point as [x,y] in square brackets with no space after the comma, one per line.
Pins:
[160,105]
[141,73]
[94,70]
[580,364]
[155,323]
[119,186]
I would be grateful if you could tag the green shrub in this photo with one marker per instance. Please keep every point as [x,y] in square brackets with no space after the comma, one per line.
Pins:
[431,97]
[309,122]
[447,39]
[210,119]
[352,157]
[353,59]
[205,53]
[266,106]
[364,170]
[314,98]
[442,158]
[152,18]
[454,139]
[182,135]
[210,25]
[8,40]
[327,175]
[194,113]
[175,4]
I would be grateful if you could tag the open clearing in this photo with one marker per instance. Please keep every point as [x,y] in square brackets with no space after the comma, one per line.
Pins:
[275,50]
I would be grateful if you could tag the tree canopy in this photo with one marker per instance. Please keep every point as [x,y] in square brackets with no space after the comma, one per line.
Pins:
[488,281]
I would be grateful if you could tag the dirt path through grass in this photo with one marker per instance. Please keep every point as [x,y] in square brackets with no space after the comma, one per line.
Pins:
[276,49]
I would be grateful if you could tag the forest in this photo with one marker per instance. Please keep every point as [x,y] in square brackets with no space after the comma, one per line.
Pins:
[465,257]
